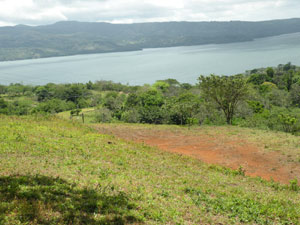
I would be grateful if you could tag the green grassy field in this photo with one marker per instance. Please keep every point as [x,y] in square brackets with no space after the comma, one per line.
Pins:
[54,171]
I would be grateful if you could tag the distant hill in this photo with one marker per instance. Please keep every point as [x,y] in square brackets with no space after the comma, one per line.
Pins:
[71,38]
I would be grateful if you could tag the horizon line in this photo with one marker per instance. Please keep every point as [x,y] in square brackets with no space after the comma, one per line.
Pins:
[171,21]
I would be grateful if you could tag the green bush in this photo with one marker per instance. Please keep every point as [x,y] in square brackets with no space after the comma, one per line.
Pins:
[75,112]
[54,106]
[103,115]
[3,106]
[131,116]
[20,107]
[288,122]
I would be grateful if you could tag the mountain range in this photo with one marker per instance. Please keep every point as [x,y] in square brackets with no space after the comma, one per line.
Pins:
[72,38]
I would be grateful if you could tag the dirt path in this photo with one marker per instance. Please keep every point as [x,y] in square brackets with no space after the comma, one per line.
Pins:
[219,149]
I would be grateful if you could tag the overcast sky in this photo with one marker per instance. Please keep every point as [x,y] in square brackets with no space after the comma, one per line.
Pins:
[38,12]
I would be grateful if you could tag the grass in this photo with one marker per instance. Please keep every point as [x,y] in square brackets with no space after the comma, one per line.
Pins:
[54,171]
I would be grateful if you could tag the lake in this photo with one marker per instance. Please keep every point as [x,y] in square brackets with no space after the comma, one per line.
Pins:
[182,63]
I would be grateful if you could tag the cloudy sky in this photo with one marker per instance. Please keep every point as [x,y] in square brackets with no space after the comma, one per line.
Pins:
[37,12]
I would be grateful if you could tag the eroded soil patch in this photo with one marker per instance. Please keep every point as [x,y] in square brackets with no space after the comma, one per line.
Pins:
[219,149]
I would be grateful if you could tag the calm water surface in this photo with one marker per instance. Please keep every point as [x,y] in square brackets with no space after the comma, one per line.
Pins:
[182,63]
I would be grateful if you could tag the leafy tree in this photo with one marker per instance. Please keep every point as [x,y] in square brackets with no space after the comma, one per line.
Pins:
[278,97]
[171,82]
[150,107]
[111,103]
[3,89]
[152,114]
[89,85]
[43,93]
[3,106]
[183,108]
[295,94]
[132,100]
[73,93]
[288,78]
[259,78]
[267,87]
[288,67]
[270,72]
[83,103]
[256,106]
[115,103]
[161,86]
[151,98]
[15,89]
[253,71]
[225,91]
[186,86]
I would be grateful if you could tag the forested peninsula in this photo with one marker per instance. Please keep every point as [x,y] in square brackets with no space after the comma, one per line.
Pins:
[72,38]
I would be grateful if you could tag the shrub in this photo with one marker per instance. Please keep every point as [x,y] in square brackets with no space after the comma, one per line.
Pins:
[20,107]
[54,106]
[152,114]
[288,122]
[192,121]
[75,112]
[103,115]
[256,106]
[131,116]
[294,185]
[3,106]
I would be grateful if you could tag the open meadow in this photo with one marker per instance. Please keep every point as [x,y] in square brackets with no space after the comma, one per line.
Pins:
[54,171]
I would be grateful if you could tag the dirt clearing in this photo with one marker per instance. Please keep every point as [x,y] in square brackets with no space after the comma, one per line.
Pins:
[213,148]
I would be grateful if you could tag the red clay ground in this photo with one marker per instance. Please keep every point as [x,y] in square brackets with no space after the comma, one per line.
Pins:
[218,149]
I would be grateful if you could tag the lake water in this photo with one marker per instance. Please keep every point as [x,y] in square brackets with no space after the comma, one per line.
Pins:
[182,63]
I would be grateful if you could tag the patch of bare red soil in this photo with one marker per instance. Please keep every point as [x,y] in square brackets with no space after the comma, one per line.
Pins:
[220,150]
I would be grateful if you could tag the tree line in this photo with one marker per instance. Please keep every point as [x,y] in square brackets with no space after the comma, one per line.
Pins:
[267,98]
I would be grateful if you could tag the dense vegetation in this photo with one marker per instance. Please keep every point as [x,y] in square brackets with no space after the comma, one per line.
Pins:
[69,38]
[264,98]
[54,171]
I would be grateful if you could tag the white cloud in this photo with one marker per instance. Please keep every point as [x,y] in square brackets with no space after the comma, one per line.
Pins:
[36,12]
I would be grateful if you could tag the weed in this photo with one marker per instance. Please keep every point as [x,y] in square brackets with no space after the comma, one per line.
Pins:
[294,185]
[241,171]
[245,208]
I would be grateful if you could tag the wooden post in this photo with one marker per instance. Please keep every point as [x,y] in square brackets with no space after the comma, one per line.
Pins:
[82,115]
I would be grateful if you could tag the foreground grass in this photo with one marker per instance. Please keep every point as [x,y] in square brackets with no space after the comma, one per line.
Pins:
[57,172]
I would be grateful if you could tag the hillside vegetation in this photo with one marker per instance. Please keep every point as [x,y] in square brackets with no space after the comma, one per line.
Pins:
[266,98]
[70,38]
[57,172]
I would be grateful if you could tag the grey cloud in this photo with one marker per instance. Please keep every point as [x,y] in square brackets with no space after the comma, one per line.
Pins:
[129,11]
[49,11]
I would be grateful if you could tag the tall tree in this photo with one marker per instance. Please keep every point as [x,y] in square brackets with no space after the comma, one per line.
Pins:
[225,91]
